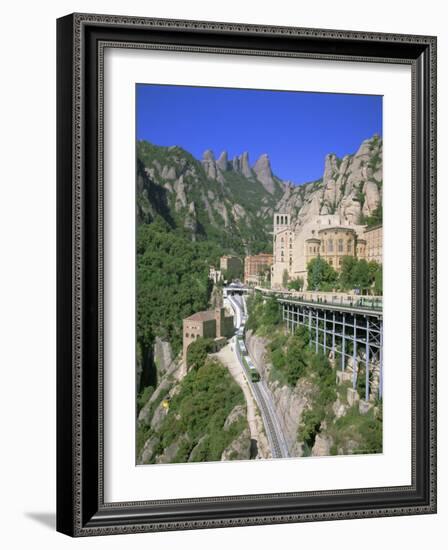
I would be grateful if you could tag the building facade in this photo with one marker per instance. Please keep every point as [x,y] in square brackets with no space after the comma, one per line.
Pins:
[213,324]
[255,267]
[374,244]
[331,244]
[231,264]
[214,274]
[326,236]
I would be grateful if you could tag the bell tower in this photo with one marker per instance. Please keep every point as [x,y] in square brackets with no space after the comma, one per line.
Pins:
[281,221]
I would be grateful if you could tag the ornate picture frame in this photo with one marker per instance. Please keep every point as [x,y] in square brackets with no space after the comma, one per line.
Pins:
[81,506]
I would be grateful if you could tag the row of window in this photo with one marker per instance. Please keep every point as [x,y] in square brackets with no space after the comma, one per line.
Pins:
[192,335]
[282,220]
[330,247]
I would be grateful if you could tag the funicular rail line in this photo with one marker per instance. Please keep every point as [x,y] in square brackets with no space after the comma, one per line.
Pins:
[276,439]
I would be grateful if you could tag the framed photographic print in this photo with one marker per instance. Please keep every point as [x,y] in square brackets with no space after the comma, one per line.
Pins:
[246,274]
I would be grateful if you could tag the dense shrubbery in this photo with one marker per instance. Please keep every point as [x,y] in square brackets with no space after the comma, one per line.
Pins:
[289,356]
[264,313]
[296,284]
[197,352]
[360,274]
[365,430]
[354,273]
[292,360]
[376,218]
[322,375]
[321,276]
[172,282]
[196,416]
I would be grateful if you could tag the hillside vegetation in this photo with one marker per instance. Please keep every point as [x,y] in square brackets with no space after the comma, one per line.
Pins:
[295,364]
[206,419]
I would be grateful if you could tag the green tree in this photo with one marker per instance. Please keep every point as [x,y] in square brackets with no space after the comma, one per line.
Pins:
[362,275]
[297,357]
[197,352]
[321,275]
[271,315]
[346,276]
[234,272]
[296,284]
[285,278]
[378,282]
[172,282]
[376,218]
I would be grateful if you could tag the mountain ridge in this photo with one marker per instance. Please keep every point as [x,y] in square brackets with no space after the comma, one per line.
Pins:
[232,201]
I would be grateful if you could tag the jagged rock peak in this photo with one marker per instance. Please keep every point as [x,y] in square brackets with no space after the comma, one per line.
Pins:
[241,164]
[263,171]
[208,155]
[263,164]
[222,161]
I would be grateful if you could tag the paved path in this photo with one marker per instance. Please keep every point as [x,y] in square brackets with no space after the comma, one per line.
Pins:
[227,356]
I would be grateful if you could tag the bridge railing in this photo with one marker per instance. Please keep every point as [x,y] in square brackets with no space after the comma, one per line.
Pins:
[374,303]
[361,302]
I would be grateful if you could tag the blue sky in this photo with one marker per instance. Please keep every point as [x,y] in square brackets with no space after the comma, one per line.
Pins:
[296,129]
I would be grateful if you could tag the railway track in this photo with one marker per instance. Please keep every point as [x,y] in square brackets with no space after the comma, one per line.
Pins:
[271,433]
[261,393]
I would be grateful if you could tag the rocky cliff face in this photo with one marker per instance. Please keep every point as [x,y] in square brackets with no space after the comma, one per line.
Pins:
[233,201]
[350,187]
[155,425]
[219,200]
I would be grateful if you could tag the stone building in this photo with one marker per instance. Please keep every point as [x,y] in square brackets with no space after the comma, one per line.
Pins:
[214,274]
[374,244]
[332,244]
[231,264]
[327,236]
[214,324]
[255,266]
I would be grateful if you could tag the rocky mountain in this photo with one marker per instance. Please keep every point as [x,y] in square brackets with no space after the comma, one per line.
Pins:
[351,187]
[198,416]
[228,202]
[231,201]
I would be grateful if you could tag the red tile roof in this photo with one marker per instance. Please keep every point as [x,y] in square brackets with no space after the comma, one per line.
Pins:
[201,316]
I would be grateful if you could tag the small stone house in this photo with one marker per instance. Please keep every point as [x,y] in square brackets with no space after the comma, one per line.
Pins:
[214,324]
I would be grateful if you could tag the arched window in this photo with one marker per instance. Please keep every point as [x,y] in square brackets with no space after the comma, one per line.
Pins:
[341,245]
[349,247]
[330,245]
[187,335]
[278,220]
